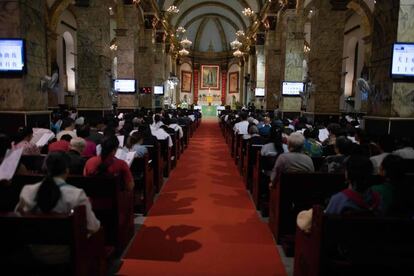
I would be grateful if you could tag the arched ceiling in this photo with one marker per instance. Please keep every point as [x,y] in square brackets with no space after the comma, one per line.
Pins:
[211,24]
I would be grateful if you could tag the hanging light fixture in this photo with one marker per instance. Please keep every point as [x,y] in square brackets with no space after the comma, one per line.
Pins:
[183,52]
[181,30]
[238,53]
[240,33]
[185,43]
[248,12]
[235,44]
[173,9]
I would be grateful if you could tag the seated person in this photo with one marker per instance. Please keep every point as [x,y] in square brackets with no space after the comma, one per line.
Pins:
[76,161]
[241,127]
[312,147]
[54,195]
[386,146]
[406,150]
[174,125]
[83,131]
[22,140]
[264,129]
[61,145]
[68,127]
[393,191]
[359,197]
[107,164]
[275,145]
[294,160]
[336,163]
[134,143]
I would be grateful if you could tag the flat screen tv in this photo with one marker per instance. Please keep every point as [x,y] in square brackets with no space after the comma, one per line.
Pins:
[403,61]
[158,90]
[259,92]
[125,86]
[292,88]
[12,56]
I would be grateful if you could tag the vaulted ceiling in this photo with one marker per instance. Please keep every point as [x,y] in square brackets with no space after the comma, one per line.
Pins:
[211,24]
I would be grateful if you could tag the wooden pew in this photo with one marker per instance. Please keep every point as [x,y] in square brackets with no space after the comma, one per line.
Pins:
[242,155]
[166,156]
[157,165]
[112,204]
[174,150]
[87,255]
[33,163]
[355,245]
[261,181]
[144,191]
[236,145]
[252,152]
[295,192]
[186,137]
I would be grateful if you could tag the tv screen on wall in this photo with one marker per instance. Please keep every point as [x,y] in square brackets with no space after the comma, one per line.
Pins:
[259,92]
[292,89]
[158,90]
[403,61]
[12,56]
[125,86]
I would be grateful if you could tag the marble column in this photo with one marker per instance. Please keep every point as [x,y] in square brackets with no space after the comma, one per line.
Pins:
[160,57]
[325,59]
[272,65]
[390,102]
[145,59]
[25,19]
[94,56]
[260,64]
[292,47]
[127,42]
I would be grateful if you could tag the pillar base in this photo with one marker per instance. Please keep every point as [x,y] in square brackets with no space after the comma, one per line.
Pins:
[10,121]
[395,126]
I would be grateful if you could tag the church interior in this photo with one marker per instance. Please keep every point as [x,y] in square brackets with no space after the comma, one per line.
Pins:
[207,137]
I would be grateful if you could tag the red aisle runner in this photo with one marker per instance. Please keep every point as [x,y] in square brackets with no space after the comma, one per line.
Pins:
[203,222]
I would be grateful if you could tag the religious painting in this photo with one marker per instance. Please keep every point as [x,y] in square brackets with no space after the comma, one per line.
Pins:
[186,78]
[210,77]
[234,82]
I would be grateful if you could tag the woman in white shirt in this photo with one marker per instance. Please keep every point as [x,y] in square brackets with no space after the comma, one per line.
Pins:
[53,194]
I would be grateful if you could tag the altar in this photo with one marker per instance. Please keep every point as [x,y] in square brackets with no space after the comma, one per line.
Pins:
[209,110]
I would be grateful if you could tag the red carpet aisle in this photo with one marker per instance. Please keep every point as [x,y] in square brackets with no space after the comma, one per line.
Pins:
[203,222]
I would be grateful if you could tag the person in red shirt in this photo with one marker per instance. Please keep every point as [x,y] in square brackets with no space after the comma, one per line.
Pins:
[61,145]
[108,164]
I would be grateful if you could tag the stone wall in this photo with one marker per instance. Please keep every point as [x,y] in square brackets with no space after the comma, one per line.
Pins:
[94,62]
[25,19]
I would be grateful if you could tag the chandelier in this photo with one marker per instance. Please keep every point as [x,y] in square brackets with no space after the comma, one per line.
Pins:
[181,30]
[240,33]
[183,52]
[185,43]
[136,1]
[248,12]
[238,53]
[235,44]
[173,9]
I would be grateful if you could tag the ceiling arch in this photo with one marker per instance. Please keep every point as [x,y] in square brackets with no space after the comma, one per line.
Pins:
[228,20]
[208,4]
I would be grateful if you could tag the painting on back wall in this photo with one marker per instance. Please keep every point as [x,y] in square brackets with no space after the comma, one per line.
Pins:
[234,82]
[210,77]
[186,78]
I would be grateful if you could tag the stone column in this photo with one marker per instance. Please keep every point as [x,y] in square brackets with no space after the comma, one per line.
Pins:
[127,42]
[390,102]
[25,19]
[292,45]
[325,60]
[159,74]
[260,64]
[145,59]
[21,99]
[94,62]
[272,64]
